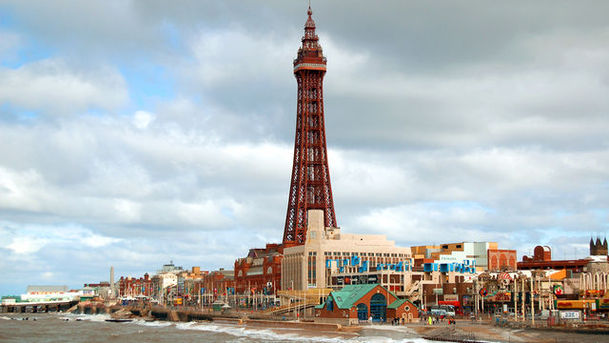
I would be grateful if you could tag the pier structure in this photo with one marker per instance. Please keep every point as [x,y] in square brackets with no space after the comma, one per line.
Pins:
[37,307]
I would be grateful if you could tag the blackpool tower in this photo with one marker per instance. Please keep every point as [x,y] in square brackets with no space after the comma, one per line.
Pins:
[310,183]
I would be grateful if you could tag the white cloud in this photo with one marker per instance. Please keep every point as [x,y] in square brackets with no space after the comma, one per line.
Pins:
[31,239]
[127,210]
[26,245]
[142,119]
[53,86]
[22,190]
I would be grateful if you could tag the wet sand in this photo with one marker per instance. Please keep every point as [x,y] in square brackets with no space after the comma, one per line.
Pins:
[486,332]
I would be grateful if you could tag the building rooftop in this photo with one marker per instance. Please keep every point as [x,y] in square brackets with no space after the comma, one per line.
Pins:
[38,289]
[348,295]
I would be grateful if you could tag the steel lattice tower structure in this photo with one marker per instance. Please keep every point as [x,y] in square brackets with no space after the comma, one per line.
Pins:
[310,183]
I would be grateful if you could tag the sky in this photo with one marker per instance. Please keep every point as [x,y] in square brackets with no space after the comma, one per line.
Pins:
[134,133]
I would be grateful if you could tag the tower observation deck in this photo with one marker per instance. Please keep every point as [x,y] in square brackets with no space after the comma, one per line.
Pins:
[310,183]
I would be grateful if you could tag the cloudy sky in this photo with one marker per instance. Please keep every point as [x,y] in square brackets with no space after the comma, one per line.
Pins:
[137,132]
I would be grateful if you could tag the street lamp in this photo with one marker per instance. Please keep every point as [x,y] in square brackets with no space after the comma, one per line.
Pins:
[292,298]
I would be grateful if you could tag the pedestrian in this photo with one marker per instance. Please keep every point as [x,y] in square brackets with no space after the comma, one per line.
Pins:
[429,320]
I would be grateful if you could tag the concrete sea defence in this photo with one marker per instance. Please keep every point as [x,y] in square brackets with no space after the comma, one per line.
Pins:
[160,313]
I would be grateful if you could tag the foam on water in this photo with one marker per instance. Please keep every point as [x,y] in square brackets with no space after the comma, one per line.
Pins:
[247,334]
[89,317]
[152,324]
[259,334]
[265,335]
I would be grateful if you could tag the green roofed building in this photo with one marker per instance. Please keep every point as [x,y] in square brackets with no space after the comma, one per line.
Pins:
[365,303]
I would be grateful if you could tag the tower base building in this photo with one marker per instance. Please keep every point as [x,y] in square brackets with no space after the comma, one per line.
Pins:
[327,253]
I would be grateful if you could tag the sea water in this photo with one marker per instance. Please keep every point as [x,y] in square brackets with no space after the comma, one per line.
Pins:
[69,328]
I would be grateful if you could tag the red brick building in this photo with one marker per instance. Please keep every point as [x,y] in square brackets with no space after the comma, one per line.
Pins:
[501,259]
[213,284]
[356,303]
[542,259]
[260,271]
[132,287]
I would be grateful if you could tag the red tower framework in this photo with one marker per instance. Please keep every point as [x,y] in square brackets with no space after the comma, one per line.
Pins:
[310,183]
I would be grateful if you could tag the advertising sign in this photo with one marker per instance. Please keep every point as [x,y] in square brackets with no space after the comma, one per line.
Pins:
[557,289]
[501,297]
[451,297]
[603,304]
[569,315]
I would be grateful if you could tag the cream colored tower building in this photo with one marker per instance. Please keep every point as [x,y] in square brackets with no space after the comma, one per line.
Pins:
[305,266]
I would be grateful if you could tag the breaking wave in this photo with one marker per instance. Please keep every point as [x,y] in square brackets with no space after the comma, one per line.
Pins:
[88,317]
[265,335]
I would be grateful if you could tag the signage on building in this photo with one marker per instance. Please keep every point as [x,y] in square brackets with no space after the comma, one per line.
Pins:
[355,261]
[603,304]
[466,266]
[501,297]
[569,314]
[451,297]
[557,289]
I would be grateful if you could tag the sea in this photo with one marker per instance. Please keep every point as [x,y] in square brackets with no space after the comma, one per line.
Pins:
[69,328]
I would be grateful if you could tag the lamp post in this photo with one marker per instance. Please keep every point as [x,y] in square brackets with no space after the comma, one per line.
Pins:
[532,299]
[291,298]
[515,300]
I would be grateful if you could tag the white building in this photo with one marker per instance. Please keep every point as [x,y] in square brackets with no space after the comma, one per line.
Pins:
[327,251]
[49,294]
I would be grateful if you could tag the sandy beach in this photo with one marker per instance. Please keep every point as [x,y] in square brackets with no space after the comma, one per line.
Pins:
[486,332]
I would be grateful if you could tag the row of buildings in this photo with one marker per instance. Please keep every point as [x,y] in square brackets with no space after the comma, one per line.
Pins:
[473,277]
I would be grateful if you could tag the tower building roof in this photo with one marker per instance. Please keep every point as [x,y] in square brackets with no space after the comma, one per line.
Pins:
[310,24]
[310,55]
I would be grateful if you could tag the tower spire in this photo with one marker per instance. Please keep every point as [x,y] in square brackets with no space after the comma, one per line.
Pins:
[310,183]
